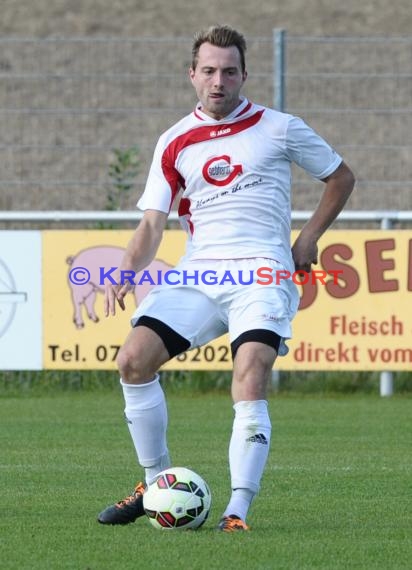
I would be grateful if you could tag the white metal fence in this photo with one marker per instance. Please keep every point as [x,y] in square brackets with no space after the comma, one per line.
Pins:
[66,103]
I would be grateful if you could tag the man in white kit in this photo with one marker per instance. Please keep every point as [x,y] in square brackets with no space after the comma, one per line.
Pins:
[230,160]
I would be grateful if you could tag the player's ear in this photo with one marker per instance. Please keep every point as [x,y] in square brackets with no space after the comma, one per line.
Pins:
[244,75]
[191,73]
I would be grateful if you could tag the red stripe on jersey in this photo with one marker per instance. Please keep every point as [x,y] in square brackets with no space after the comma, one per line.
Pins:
[198,135]
[197,115]
[184,210]
[245,110]
[173,177]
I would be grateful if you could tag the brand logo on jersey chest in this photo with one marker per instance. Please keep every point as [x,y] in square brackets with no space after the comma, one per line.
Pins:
[220,171]
[220,133]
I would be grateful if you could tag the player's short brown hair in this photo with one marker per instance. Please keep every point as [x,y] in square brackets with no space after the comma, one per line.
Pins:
[220,36]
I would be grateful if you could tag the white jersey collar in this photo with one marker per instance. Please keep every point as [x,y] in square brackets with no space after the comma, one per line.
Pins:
[240,110]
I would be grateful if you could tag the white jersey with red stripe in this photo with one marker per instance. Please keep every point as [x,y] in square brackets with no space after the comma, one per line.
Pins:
[235,178]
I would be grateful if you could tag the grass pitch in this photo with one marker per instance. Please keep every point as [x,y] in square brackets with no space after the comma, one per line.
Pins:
[336,494]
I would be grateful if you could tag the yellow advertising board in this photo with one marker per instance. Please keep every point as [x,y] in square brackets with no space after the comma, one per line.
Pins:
[76,333]
[355,311]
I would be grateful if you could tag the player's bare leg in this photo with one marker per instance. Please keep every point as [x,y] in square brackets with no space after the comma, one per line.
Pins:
[141,356]
[252,370]
[249,444]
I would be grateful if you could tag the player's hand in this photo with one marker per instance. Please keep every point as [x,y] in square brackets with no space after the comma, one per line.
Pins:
[304,253]
[113,295]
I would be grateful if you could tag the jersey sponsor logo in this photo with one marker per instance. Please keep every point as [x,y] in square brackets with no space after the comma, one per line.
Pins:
[219,170]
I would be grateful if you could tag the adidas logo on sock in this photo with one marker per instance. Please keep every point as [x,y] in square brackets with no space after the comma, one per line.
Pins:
[258,438]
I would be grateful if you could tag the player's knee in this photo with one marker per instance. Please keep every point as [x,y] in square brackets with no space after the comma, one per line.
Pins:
[132,367]
[252,365]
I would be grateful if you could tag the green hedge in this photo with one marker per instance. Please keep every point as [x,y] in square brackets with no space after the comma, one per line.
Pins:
[18,383]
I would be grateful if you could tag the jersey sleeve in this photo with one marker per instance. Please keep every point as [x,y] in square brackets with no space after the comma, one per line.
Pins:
[162,182]
[310,151]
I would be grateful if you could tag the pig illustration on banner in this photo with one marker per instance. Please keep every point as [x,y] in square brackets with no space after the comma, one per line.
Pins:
[95,262]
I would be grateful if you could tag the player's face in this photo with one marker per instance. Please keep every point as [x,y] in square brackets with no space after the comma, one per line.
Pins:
[217,79]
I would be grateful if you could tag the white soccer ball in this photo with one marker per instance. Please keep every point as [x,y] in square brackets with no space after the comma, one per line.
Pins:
[178,499]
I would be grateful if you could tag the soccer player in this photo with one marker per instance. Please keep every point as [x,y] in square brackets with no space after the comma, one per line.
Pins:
[231,160]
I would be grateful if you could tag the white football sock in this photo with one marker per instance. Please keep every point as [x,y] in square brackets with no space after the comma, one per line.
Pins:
[248,452]
[146,416]
[239,503]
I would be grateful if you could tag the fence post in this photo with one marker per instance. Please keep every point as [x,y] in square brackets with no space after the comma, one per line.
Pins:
[386,377]
[386,383]
[279,62]
[279,103]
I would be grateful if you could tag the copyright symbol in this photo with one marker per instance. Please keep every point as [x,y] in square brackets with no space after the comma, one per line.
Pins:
[79,275]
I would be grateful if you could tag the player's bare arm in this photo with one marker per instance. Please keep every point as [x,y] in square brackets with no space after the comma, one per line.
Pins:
[139,253]
[338,188]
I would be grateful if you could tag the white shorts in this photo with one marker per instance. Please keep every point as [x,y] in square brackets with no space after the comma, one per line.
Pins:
[201,311]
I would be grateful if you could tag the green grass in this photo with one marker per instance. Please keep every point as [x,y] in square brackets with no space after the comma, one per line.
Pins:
[336,494]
